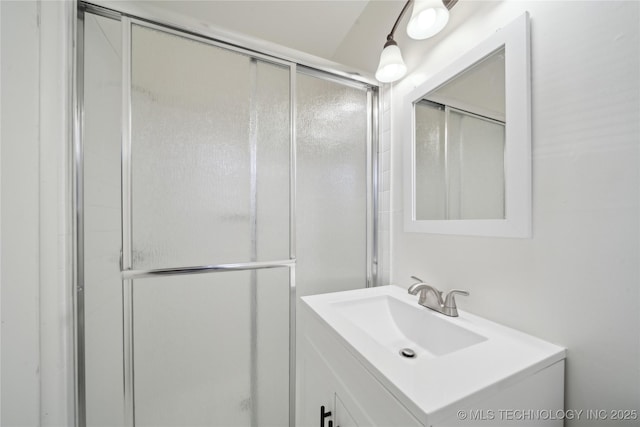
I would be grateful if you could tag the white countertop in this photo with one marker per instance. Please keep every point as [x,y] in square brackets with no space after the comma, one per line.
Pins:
[427,386]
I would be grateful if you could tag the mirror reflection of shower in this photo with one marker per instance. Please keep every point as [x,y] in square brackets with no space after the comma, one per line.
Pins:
[459,166]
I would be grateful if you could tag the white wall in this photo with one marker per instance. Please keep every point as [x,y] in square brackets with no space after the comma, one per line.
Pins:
[575,283]
[19,228]
[37,388]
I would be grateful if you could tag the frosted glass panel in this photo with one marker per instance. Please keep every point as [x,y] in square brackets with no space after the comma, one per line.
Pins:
[193,349]
[205,123]
[332,186]
[273,133]
[272,343]
[430,158]
[476,167]
[102,233]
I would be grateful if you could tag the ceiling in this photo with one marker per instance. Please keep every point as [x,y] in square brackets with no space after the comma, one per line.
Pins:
[350,32]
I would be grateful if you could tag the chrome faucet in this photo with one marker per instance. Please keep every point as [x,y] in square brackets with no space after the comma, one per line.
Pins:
[431,297]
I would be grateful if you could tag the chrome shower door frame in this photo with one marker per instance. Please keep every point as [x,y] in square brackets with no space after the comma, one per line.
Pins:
[128,274]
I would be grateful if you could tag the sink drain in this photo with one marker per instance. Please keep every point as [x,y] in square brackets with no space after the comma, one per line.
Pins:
[408,353]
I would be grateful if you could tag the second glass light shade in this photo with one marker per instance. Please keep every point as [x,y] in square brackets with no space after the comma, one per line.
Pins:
[428,18]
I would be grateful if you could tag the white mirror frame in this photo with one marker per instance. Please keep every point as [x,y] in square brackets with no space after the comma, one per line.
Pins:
[515,38]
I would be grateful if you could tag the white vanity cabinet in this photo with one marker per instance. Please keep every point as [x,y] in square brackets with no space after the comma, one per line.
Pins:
[467,372]
[332,377]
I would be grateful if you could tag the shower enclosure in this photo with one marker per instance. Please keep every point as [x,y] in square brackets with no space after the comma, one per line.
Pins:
[213,185]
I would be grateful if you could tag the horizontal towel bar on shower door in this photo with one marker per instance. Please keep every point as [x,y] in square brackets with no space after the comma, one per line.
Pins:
[202,269]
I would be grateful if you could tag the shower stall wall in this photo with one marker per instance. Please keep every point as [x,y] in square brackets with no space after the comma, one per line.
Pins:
[212,185]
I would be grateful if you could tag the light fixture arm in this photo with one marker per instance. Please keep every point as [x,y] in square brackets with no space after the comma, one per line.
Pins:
[449,3]
[393,30]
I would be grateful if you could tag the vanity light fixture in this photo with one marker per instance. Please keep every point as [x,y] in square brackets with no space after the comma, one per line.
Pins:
[428,18]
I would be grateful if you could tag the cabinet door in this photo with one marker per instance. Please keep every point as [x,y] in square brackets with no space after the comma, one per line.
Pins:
[356,396]
[316,387]
[342,415]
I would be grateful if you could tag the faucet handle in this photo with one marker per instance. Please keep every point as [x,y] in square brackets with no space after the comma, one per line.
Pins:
[418,279]
[450,301]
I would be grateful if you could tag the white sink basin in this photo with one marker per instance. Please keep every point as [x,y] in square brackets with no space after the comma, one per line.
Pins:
[457,359]
[397,324]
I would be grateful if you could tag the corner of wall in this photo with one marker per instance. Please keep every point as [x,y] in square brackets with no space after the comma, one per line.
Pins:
[37,354]
[384,188]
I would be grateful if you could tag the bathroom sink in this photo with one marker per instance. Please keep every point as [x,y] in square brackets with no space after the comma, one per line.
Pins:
[396,325]
[429,361]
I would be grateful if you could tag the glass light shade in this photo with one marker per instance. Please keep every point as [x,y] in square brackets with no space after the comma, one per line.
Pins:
[391,66]
[428,18]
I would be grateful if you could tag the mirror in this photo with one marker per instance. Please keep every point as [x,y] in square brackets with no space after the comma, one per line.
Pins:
[459,135]
[469,144]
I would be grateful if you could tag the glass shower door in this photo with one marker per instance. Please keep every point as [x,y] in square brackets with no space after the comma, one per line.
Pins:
[190,323]
[188,250]
[209,186]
